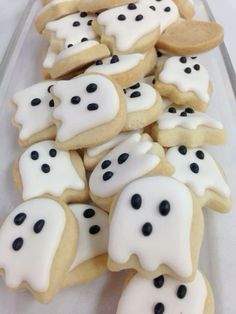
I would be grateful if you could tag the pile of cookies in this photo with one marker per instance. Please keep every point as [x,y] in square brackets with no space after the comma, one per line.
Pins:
[113,175]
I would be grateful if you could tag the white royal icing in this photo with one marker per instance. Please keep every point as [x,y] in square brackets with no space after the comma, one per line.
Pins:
[96,150]
[209,176]
[33,119]
[169,242]
[139,97]
[169,120]
[76,119]
[49,59]
[140,161]
[193,302]
[62,174]
[90,245]
[33,261]
[197,81]
[73,28]
[125,63]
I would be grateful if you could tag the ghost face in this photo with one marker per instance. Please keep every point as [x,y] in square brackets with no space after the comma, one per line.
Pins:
[126,162]
[163,295]
[152,219]
[45,169]
[29,239]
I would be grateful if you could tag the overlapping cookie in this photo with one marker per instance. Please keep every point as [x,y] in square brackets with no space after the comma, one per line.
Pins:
[165,295]
[144,106]
[184,81]
[70,61]
[90,110]
[96,6]
[30,104]
[135,157]
[126,69]
[43,169]
[187,127]
[93,155]
[34,250]
[200,172]
[91,255]
[156,228]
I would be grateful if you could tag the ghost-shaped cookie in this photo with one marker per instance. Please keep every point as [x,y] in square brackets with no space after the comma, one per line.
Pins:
[33,113]
[184,81]
[197,168]
[135,157]
[34,251]
[91,110]
[45,169]
[151,228]
[166,295]
[91,256]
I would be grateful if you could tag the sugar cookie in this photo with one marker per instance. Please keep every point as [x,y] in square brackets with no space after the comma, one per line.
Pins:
[95,5]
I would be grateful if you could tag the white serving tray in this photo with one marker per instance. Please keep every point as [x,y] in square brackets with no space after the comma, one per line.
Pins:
[21,68]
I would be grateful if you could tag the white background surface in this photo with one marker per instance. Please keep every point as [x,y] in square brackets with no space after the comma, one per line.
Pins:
[224,12]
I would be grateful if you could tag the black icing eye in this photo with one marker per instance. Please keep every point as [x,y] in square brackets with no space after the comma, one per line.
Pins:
[172,110]
[159,282]
[187,70]
[49,88]
[183,59]
[121,17]
[34,155]
[83,14]
[94,229]
[167,9]
[200,154]
[182,150]
[159,308]
[137,85]
[189,110]
[89,213]
[114,59]
[135,94]
[45,168]
[92,107]
[106,164]
[153,81]
[159,54]
[196,67]
[19,219]
[53,152]
[136,201]
[164,208]
[75,100]
[35,102]
[147,229]
[91,88]
[124,90]
[152,7]
[76,24]
[99,62]
[183,114]
[194,167]
[122,158]
[17,244]
[84,39]
[51,103]
[193,57]
[107,175]
[38,226]
[90,22]
[69,46]
[139,17]
[182,291]
[132,6]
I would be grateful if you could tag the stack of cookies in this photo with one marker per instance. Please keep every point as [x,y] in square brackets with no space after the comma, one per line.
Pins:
[113,174]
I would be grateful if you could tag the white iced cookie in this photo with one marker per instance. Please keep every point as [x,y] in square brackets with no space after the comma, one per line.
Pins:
[126,69]
[184,81]
[196,168]
[70,30]
[156,228]
[30,104]
[34,250]
[165,295]
[144,106]
[133,158]
[43,169]
[91,256]
[90,111]
[187,127]
[101,5]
